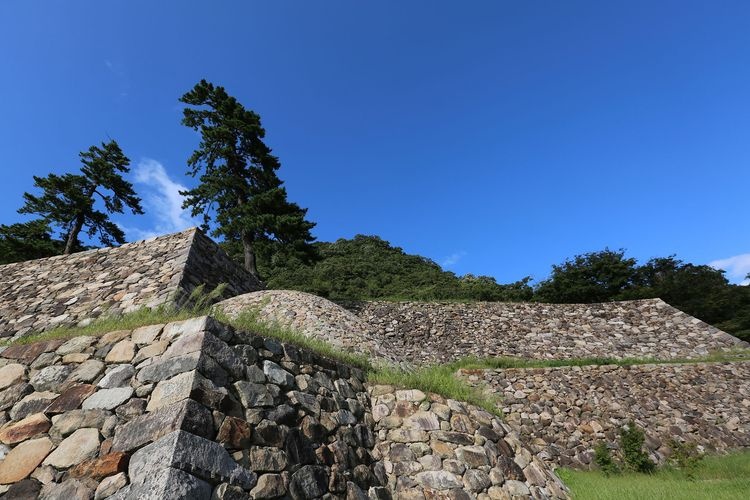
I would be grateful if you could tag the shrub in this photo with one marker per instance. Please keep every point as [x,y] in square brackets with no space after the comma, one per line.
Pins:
[631,443]
[685,456]
[603,458]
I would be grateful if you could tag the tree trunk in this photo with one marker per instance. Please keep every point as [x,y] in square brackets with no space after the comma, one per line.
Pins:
[247,246]
[73,235]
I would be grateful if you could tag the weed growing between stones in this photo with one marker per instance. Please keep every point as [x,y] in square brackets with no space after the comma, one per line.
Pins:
[631,444]
[603,458]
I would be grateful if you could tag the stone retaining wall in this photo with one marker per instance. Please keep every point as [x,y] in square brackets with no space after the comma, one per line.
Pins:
[561,413]
[430,447]
[439,332]
[193,409]
[41,294]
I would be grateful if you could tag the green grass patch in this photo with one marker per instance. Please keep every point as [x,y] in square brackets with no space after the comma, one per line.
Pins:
[717,478]
[440,379]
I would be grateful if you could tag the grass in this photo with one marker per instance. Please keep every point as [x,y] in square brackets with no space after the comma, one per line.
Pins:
[717,478]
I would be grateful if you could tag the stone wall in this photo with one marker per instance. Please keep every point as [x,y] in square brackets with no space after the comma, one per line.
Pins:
[432,447]
[183,410]
[41,294]
[561,413]
[439,332]
[193,409]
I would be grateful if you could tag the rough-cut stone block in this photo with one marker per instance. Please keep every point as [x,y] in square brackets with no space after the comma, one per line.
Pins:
[253,395]
[269,486]
[206,459]
[169,367]
[33,403]
[26,354]
[234,433]
[12,394]
[87,371]
[75,345]
[103,466]
[70,489]
[167,484]
[108,399]
[146,334]
[119,376]
[277,375]
[11,374]
[122,352]
[310,481]
[186,415]
[187,385]
[82,445]
[50,378]
[23,459]
[15,432]
[110,485]
[71,399]
[69,422]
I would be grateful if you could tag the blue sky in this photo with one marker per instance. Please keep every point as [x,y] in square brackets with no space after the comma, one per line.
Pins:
[495,137]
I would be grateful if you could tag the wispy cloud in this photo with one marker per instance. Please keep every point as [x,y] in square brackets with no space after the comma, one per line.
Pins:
[162,200]
[737,267]
[120,76]
[452,259]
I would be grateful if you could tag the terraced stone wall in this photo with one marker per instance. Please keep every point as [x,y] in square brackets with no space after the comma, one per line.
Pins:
[41,294]
[561,413]
[439,332]
[432,447]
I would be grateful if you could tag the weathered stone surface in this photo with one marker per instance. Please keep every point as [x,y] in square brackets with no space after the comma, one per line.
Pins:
[474,456]
[146,334]
[186,415]
[68,422]
[12,394]
[422,420]
[11,374]
[108,399]
[168,484]
[32,403]
[308,402]
[277,375]
[476,480]
[226,491]
[87,371]
[234,433]
[103,466]
[150,351]
[28,488]
[23,459]
[119,376]
[122,352]
[186,451]
[71,399]
[517,488]
[253,395]
[133,408]
[75,345]
[82,445]
[269,486]
[438,480]
[15,432]
[310,481]
[50,378]
[70,489]
[26,354]
[110,485]
[267,459]
[186,385]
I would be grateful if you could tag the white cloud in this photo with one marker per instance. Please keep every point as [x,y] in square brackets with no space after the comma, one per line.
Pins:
[452,259]
[737,267]
[162,200]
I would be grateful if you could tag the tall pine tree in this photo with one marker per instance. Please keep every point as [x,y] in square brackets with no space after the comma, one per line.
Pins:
[238,181]
[68,201]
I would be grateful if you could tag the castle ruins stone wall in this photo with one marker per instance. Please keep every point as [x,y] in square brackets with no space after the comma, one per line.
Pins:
[439,332]
[561,413]
[63,290]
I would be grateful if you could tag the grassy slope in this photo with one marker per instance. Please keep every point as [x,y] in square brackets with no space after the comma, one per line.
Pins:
[718,478]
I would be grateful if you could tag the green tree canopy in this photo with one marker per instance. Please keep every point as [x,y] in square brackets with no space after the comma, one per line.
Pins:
[69,201]
[238,185]
[591,277]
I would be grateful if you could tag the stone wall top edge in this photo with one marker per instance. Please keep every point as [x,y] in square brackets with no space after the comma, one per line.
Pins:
[93,251]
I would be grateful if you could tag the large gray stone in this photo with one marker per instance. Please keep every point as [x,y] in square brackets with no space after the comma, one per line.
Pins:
[108,399]
[76,344]
[182,450]
[79,446]
[311,481]
[269,486]
[12,394]
[253,395]
[165,368]
[207,343]
[70,421]
[167,484]
[439,480]
[186,415]
[50,378]
[307,401]
[187,385]
[119,376]
[87,371]
[32,403]
[277,375]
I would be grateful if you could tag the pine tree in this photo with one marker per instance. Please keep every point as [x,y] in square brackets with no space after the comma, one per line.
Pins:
[68,201]
[237,172]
